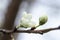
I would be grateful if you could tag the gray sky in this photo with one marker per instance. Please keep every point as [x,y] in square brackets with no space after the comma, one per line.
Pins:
[39,7]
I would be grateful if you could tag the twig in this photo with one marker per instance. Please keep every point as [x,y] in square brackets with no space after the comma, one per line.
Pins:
[29,31]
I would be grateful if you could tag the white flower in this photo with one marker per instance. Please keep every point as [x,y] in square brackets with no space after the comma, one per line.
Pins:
[26,21]
[32,24]
[27,16]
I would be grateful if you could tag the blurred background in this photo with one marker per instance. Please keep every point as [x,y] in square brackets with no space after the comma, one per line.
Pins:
[37,8]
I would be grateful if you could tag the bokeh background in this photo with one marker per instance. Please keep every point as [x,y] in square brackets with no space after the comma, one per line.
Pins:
[37,8]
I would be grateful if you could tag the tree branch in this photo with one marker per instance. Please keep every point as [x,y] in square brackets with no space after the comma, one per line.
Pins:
[29,31]
[10,16]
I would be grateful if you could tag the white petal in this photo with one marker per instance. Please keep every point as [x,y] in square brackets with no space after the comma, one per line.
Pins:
[27,16]
[32,24]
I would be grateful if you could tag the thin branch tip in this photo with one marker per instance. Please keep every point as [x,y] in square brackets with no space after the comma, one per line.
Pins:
[59,27]
[28,31]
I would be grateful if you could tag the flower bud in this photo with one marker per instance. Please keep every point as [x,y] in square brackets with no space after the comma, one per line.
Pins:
[43,20]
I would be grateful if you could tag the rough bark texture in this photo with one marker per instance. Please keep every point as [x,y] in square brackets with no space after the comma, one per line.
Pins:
[9,19]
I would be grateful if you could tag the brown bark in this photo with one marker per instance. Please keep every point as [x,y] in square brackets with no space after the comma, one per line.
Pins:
[29,31]
[10,17]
